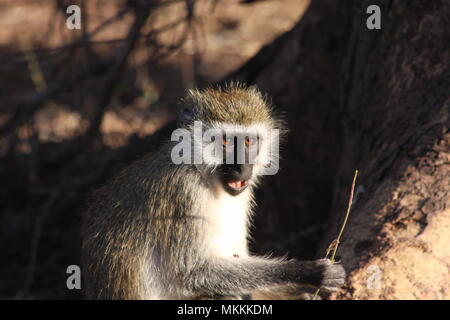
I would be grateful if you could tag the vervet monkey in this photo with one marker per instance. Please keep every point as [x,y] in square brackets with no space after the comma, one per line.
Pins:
[161,230]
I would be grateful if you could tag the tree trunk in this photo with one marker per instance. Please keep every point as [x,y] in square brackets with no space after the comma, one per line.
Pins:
[373,100]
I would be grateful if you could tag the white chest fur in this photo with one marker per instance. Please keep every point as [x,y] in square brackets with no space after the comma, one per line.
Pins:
[228,219]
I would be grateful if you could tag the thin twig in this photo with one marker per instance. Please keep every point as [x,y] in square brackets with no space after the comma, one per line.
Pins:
[35,238]
[335,243]
[33,64]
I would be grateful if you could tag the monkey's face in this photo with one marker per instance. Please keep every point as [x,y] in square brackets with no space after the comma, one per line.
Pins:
[235,135]
[239,157]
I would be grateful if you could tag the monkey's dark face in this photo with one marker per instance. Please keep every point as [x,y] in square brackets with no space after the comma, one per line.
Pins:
[238,158]
[235,177]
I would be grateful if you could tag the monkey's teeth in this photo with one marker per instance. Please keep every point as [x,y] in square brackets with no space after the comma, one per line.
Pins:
[237,184]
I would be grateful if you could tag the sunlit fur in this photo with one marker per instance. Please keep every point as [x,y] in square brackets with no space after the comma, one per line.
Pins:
[233,103]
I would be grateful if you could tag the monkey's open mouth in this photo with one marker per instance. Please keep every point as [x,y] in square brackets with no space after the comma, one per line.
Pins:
[238,185]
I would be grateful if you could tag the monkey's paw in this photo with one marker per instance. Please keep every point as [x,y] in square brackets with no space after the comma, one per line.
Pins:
[332,275]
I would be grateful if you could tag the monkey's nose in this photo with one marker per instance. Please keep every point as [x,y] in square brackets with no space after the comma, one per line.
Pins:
[244,171]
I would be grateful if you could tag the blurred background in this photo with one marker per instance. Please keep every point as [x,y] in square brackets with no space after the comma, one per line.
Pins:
[75,105]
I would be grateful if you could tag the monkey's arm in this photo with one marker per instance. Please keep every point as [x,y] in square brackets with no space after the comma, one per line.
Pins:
[223,277]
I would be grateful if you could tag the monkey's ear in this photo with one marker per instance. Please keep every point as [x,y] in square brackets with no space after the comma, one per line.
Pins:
[187,114]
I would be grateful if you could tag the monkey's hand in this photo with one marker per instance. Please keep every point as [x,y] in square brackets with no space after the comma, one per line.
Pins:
[331,276]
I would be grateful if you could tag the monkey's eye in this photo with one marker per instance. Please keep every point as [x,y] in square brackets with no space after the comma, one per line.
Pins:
[249,141]
[226,141]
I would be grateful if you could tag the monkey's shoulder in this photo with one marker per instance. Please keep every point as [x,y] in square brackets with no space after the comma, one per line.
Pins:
[152,176]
